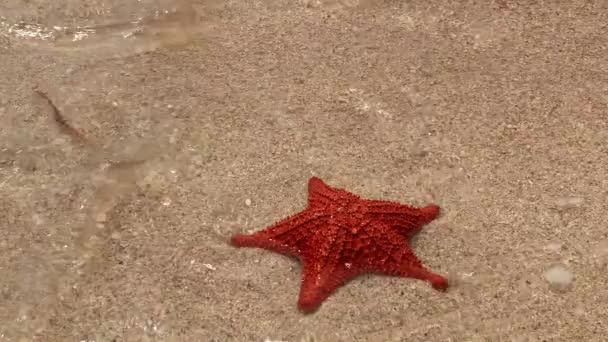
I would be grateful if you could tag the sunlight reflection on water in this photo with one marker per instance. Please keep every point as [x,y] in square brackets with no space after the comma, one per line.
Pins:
[113,33]
[47,268]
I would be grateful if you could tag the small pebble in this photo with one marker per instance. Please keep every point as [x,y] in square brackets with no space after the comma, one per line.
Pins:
[101,217]
[554,247]
[37,219]
[248,202]
[209,266]
[600,252]
[559,277]
[569,202]
[198,160]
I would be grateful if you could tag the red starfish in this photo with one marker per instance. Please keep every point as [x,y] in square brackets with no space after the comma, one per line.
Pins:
[340,235]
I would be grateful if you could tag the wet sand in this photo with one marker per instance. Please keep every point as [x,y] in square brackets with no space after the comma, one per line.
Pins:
[209,120]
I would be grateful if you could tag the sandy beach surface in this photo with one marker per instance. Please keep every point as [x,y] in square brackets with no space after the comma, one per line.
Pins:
[196,120]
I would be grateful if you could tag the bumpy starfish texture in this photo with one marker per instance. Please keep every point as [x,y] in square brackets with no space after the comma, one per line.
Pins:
[340,235]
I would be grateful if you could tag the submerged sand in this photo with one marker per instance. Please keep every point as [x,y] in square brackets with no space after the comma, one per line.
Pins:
[208,119]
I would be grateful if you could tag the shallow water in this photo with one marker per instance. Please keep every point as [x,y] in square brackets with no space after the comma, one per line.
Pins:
[46,259]
[203,119]
[106,29]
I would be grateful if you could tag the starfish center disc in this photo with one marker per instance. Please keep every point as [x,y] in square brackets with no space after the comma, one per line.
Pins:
[348,214]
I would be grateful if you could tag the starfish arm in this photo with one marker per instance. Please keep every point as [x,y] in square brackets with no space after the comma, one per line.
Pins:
[395,257]
[437,281]
[409,219]
[285,236]
[324,269]
[414,270]
[317,285]
[320,194]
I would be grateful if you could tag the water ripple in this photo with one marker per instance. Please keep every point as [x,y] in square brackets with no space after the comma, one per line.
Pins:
[174,25]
